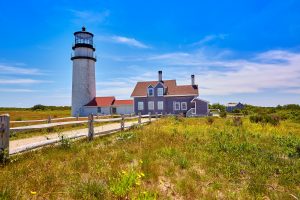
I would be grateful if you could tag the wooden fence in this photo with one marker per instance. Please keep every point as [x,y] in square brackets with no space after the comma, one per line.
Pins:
[5,130]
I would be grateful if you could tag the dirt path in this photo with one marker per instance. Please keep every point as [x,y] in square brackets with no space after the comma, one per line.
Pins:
[21,145]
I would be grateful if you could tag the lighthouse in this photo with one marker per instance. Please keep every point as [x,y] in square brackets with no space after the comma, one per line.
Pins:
[83,77]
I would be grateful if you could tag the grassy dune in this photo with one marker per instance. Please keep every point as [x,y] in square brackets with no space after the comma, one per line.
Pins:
[169,159]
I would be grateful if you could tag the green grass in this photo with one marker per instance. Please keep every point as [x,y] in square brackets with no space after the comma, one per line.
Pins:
[168,159]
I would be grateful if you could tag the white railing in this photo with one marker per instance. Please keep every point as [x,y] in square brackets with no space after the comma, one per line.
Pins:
[191,112]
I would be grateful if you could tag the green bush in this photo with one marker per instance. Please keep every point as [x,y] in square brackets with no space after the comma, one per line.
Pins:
[223,114]
[237,121]
[65,142]
[210,120]
[38,107]
[265,119]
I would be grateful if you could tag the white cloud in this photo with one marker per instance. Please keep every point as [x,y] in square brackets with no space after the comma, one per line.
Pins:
[83,17]
[277,70]
[9,90]
[209,38]
[21,81]
[129,41]
[5,69]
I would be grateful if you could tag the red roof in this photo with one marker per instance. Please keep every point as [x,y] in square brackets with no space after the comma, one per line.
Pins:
[108,101]
[101,101]
[122,102]
[171,88]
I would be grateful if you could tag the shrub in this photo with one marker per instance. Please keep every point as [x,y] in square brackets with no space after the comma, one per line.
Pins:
[237,121]
[223,114]
[89,190]
[38,107]
[265,118]
[65,142]
[236,111]
[126,181]
[210,120]
[183,162]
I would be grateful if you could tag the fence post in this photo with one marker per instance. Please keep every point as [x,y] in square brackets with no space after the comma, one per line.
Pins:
[77,117]
[97,115]
[156,116]
[91,127]
[4,136]
[149,116]
[140,118]
[122,122]
[49,119]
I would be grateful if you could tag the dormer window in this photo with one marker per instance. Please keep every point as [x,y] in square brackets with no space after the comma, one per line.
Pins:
[150,92]
[160,92]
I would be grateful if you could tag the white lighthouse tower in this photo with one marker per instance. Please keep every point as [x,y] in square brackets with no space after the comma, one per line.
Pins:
[83,83]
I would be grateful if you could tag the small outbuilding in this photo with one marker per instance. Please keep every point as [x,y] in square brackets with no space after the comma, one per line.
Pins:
[230,107]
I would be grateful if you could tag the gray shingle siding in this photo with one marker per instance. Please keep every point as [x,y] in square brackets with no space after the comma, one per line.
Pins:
[201,107]
[167,101]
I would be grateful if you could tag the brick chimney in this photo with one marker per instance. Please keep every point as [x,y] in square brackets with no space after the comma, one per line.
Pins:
[193,79]
[160,76]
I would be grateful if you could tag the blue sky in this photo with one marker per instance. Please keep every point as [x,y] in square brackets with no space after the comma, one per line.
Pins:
[246,51]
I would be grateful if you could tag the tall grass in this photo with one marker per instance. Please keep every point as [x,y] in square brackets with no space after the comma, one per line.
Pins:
[179,159]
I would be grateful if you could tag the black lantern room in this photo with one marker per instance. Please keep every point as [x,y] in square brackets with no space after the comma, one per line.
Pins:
[83,39]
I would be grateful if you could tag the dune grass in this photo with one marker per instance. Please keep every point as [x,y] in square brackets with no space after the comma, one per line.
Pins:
[27,114]
[173,158]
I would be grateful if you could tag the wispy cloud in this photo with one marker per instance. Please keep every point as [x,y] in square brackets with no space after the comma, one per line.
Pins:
[15,90]
[129,41]
[6,69]
[209,38]
[88,17]
[21,81]
[226,77]
[219,76]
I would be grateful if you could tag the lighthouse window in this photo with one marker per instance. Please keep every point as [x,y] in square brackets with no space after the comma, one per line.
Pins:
[98,109]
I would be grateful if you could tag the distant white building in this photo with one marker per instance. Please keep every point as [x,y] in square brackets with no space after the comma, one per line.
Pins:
[84,100]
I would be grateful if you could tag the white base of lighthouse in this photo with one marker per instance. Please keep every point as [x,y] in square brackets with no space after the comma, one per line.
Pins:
[83,85]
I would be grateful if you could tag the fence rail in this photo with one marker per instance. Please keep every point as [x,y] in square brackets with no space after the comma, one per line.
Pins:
[90,134]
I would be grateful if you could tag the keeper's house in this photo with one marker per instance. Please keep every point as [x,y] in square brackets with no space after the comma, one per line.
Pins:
[166,97]
[108,105]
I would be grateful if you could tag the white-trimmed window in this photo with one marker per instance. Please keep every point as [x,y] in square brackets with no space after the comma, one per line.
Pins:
[176,105]
[150,92]
[140,105]
[160,105]
[150,105]
[160,92]
[183,106]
